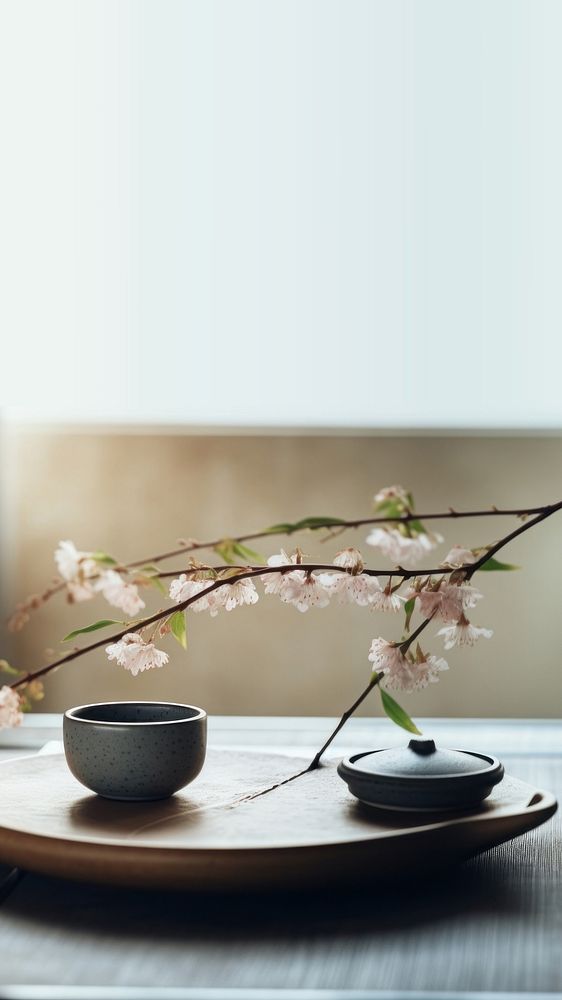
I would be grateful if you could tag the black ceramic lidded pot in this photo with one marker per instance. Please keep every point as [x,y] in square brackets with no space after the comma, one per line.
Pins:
[421,777]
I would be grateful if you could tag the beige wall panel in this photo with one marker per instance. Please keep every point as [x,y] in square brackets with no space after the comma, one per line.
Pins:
[134,494]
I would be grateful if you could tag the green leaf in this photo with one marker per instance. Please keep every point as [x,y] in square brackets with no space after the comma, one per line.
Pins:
[397,714]
[393,507]
[493,564]
[226,551]
[103,559]
[280,529]
[151,581]
[245,553]
[409,609]
[310,523]
[150,577]
[314,523]
[417,527]
[92,628]
[179,631]
[6,668]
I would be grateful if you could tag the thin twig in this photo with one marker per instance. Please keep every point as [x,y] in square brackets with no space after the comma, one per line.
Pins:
[315,762]
[352,523]
[375,679]
[490,553]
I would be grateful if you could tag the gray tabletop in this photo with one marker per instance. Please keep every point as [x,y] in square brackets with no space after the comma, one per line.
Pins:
[494,925]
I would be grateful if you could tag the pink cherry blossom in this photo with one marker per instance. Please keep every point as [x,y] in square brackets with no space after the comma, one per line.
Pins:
[387,658]
[232,595]
[76,568]
[402,550]
[282,559]
[120,593]
[426,670]
[183,588]
[10,712]
[403,672]
[459,556]
[385,600]
[276,583]
[350,589]
[305,591]
[350,559]
[136,655]
[79,591]
[227,596]
[73,564]
[392,493]
[447,602]
[463,633]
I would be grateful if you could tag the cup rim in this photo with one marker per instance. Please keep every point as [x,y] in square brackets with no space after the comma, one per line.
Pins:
[71,716]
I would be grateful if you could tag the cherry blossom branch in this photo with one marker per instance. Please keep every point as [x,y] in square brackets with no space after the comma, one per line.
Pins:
[468,569]
[315,762]
[182,606]
[490,552]
[493,511]
[404,646]
[288,567]
[158,616]
[376,678]
[36,601]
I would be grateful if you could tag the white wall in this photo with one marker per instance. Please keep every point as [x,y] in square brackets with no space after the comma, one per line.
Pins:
[295,212]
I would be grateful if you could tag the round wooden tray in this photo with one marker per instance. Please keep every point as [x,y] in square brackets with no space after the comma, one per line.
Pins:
[307,833]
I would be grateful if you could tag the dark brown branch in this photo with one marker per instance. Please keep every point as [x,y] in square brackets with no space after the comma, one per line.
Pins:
[376,678]
[547,512]
[315,762]
[404,646]
[353,523]
[406,574]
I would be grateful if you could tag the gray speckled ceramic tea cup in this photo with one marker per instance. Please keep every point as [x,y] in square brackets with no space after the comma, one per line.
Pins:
[135,750]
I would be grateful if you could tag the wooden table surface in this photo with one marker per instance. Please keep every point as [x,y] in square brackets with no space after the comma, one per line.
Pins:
[494,925]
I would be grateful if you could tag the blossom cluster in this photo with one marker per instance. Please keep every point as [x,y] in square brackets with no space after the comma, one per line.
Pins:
[403,550]
[404,671]
[84,579]
[10,708]
[348,583]
[135,654]
[227,596]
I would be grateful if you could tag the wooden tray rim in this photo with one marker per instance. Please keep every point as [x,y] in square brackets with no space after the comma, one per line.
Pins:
[541,802]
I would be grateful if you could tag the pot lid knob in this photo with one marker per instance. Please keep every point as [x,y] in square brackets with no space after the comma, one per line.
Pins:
[423,747]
